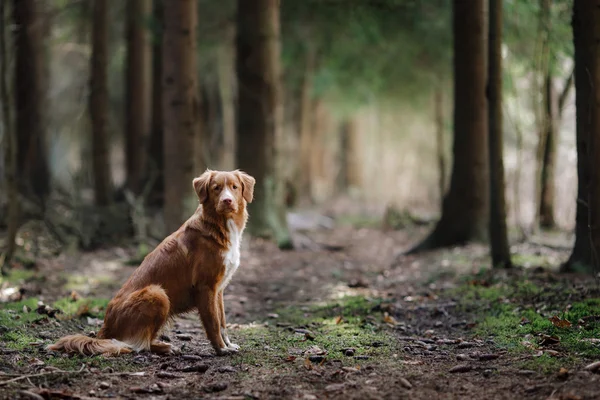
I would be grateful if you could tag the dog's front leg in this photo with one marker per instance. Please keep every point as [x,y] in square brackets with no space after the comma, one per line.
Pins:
[224,323]
[208,307]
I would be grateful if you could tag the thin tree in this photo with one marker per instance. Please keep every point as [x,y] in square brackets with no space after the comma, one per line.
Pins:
[10,140]
[155,163]
[98,104]
[498,232]
[138,99]
[438,106]
[180,110]
[260,113]
[33,171]
[465,208]
[586,36]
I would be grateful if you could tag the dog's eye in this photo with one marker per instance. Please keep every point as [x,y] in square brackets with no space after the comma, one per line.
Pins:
[234,187]
[217,187]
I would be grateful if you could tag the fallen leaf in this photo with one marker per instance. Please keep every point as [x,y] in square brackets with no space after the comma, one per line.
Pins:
[559,323]
[563,374]
[404,382]
[290,358]
[549,340]
[594,367]
[388,319]
[460,368]
[307,364]
[338,319]
[75,296]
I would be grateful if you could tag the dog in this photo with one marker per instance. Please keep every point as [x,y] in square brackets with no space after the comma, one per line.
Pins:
[187,271]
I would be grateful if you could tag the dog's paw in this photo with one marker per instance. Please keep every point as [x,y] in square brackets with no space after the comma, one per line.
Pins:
[233,346]
[226,351]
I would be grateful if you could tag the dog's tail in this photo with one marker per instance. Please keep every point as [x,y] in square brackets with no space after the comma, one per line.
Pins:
[90,346]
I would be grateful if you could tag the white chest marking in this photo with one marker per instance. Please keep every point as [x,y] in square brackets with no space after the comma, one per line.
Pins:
[231,257]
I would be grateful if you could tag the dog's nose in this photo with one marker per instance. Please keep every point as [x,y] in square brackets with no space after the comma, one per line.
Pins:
[227,201]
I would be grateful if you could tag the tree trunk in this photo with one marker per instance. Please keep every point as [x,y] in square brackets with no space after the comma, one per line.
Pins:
[498,232]
[546,209]
[226,74]
[306,118]
[32,161]
[155,162]
[466,206]
[438,103]
[98,104]
[586,19]
[260,113]
[350,171]
[10,140]
[181,110]
[138,97]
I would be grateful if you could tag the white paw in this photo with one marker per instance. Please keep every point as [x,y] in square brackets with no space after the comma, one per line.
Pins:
[225,351]
[233,346]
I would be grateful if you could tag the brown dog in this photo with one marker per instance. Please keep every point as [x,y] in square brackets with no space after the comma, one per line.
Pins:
[187,271]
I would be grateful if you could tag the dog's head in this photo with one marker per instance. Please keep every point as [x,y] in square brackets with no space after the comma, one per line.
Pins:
[224,192]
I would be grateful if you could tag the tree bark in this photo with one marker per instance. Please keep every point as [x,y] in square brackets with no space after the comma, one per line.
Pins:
[546,208]
[584,256]
[10,140]
[498,232]
[32,161]
[181,110]
[306,117]
[138,98]
[350,176]
[156,160]
[438,104]
[260,113]
[465,210]
[226,75]
[98,104]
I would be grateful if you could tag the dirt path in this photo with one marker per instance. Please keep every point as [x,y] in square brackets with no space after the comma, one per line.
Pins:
[348,321]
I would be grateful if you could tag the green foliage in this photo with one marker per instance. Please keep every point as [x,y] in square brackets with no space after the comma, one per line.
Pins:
[517,315]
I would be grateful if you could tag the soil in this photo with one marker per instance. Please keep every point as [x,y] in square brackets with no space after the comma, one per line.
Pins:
[431,354]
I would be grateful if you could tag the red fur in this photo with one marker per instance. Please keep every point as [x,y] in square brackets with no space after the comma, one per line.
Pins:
[183,273]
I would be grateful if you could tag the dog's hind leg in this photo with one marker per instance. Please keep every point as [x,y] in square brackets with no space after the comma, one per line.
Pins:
[137,318]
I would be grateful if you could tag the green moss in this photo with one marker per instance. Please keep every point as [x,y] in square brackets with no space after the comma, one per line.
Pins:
[91,306]
[17,339]
[15,276]
[516,315]
[12,314]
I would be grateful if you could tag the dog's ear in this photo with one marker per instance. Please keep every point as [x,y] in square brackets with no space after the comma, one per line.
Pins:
[247,185]
[201,184]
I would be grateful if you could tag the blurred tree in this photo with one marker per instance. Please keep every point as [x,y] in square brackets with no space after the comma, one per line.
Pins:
[466,206]
[498,232]
[260,114]
[156,157]
[440,147]
[181,110]
[350,165]
[226,78]
[98,104]
[138,78]
[586,36]
[10,138]
[33,172]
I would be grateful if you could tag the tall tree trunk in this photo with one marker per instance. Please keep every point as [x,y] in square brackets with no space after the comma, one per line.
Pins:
[260,113]
[547,125]
[155,162]
[586,20]
[546,208]
[226,74]
[350,171]
[306,116]
[138,97]
[438,104]
[10,139]
[498,232]
[466,206]
[98,104]
[32,161]
[181,110]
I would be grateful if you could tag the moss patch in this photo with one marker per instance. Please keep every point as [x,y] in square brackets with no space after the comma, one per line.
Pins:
[554,322]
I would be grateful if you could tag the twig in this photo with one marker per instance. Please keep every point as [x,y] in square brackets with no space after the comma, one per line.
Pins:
[41,374]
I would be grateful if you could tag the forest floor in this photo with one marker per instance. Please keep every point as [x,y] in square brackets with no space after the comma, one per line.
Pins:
[342,317]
